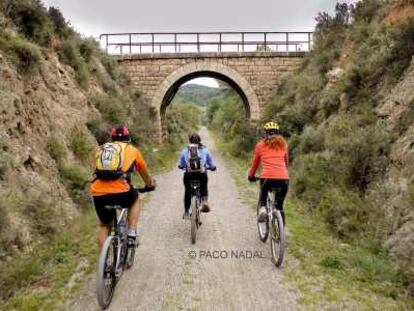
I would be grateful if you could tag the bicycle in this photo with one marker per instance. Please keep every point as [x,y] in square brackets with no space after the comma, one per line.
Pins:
[195,207]
[275,226]
[115,256]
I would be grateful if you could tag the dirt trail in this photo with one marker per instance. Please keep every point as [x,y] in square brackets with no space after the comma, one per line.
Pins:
[166,277]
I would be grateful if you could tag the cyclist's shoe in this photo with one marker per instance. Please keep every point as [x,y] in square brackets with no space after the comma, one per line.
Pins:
[186,215]
[262,217]
[205,208]
[132,241]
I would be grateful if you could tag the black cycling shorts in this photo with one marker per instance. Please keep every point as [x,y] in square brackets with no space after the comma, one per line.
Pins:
[125,199]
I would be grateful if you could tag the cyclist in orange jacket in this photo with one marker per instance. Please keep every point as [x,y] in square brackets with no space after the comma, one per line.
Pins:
[272,153]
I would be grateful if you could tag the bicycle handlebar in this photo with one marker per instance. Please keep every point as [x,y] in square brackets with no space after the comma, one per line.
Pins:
[207,168]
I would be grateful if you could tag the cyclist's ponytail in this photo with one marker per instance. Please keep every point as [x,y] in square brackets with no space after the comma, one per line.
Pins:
[276,142]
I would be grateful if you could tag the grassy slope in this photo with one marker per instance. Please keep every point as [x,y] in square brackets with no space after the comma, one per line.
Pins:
[327,271]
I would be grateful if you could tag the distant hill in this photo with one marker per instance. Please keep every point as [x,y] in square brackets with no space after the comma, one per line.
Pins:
[198,94]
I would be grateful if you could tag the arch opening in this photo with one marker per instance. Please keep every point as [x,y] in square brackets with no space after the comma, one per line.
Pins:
[170,86]
[174,88]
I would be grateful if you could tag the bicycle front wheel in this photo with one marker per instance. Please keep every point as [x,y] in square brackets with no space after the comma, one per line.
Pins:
[277,238]
[106,277]
[194,219]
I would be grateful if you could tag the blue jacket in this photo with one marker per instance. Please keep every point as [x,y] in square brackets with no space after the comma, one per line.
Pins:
[206,158]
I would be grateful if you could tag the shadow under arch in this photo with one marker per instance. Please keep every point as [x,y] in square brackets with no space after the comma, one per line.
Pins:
[170,86]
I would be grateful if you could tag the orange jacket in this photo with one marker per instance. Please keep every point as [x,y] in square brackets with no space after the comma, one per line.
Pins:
[274,162]
[133,158]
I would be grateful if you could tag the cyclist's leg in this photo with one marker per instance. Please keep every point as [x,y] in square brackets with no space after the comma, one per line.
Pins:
[281,187]
[204,192]
[105,217]
[103,234]
[131,200]
[264,190]
[187,192]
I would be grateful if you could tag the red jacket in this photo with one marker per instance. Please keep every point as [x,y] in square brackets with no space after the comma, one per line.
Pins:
[274,162]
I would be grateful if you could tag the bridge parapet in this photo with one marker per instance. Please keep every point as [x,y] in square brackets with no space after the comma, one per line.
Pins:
[206,43]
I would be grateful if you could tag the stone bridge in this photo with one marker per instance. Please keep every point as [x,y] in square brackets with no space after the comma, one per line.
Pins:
[254,75]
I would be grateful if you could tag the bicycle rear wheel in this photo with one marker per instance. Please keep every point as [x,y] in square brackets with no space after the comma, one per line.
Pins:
[106,278]
[262,227]
[277,238]
[194,219]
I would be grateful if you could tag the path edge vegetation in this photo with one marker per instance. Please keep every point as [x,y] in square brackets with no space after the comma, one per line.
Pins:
[322,269]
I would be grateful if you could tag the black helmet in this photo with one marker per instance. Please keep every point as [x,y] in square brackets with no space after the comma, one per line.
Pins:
[194,139]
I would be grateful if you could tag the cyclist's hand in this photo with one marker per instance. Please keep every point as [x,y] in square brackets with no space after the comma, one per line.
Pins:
[251,178]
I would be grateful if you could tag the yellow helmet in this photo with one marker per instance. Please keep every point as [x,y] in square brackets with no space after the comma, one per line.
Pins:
[271,126]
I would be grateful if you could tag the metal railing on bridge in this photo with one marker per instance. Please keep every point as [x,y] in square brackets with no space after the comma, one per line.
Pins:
[206,42]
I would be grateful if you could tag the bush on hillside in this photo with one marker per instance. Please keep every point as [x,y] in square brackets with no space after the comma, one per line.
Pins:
[346,210]
[60,26]
[44,216]
[31,17]
[182,119]
[81,145]
[366,10]
[75,179]
[24,54]
[56,149]
[364,148]
[69,53]
[114,110]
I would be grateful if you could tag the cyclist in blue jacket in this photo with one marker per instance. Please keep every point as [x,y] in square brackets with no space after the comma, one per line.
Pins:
[196,166]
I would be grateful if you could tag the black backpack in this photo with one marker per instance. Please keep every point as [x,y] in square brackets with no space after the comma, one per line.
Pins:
[194,163]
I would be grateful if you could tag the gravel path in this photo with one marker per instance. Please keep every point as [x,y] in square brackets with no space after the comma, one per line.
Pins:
[228,268]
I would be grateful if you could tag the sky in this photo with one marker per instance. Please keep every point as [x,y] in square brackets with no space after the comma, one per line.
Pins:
[94,17]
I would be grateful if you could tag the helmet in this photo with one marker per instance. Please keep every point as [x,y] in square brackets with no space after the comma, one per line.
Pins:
[120,133]
[271,126]
[194,139]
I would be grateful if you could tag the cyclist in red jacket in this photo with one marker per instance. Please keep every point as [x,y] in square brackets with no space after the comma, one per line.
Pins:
[272,153]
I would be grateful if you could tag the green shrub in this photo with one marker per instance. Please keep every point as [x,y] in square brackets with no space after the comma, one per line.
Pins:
[43,216]
[22,273]
[114,110]
[81,145]
[346,212]
[88,48]
[332,263]
[4,223]
[100,130]
[311,140]
[244,138]
[311,175]
[366,10]
[364,148]
[27,56]
[375,268]
[74,176]
[56,149]
[75,179]
[31,17]
[70,54]
[329,102]
[61,26]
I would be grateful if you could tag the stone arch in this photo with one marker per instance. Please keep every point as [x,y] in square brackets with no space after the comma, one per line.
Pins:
[169,87]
